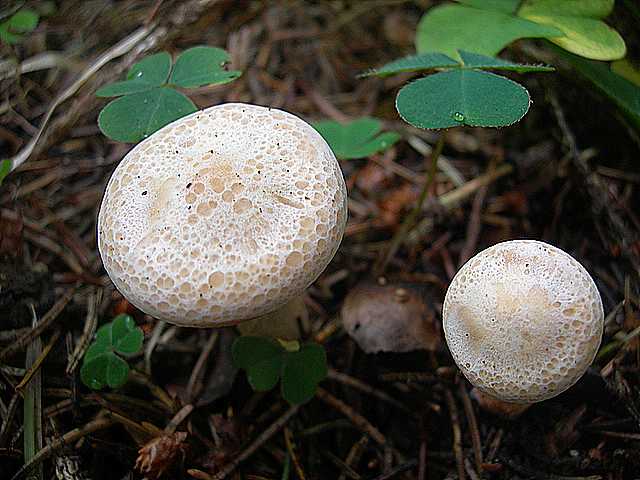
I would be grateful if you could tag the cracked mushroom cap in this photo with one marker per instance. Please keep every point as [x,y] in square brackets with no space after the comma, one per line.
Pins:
[222,216]
[523,320]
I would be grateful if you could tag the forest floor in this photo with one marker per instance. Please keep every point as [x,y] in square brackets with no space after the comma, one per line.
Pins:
[568,174]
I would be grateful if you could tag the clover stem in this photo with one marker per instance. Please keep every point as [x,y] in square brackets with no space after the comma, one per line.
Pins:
[410,220]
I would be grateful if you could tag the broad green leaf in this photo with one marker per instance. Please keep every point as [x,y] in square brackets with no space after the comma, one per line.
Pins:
[127,338]
[153,69]
[462,97]
[302,372]
[105,369]
[356,139]
[5,169]
[124,87]
[579,20]
[134,117]
[506,6]
[623,92]
[23,21]
[262,358]
[571,8]
[414,63]
[475,60]
[449,28]
[202,65]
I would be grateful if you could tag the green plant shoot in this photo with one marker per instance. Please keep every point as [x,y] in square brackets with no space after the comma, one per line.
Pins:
[103,364]
[266,360]
[148,97]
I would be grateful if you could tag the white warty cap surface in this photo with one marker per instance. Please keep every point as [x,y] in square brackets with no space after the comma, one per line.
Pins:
[223,215]
[523,320]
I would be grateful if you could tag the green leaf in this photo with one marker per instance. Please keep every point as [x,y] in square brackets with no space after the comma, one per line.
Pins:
[23,21]
[414,63]
[148,73]
[134,117]
[94,350]
[125,87]
[462,97]
[624,93]
[475,60]
[571,8]
[105,369]
[302,372]
[627,70]
[5,169]
[153,69]
[202,65]
[262,358]
[449,28]
[6,36]
[579,20]
[127,338]
[356,139]
[506,6]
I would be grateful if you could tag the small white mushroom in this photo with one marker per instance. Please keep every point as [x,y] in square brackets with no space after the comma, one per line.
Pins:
[224,215]
[523,320]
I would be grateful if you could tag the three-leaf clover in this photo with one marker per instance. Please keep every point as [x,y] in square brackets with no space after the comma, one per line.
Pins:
[13,29]
[357,139]
[298,367]
[148,97]
[462,92]
[102,366]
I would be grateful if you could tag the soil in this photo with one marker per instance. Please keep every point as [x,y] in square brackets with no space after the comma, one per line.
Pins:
[572,181]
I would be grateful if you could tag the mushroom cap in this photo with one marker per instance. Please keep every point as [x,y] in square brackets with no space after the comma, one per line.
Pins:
[523,320]
[223,215]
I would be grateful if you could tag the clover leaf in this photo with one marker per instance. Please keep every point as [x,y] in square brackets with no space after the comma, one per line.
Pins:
[298,367]
[102,365]
[23,21]
[148,96]
[357,139]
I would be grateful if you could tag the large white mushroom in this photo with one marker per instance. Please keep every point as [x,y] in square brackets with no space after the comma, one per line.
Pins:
[523,320]
[222,216]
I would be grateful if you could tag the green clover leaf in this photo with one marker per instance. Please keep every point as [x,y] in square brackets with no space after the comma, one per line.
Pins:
[202,65]
[148,99]
[23,21]
[102,365]
[357,139]
[265,360]
[462,97]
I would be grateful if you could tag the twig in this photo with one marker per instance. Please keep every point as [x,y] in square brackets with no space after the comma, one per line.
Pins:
[38,362]
[46,321]
[114,52]
[288,440]
[363,387]
[457,433]
[250,450]
[357,419]
[178,418]
[197,372]
[473,428]
[68,438]
[397,470]
[355,452]
[90,324]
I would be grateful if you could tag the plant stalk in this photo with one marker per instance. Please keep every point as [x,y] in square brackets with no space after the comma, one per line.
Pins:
[410,220]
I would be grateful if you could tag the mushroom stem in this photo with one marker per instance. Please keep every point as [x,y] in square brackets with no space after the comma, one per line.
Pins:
[289,322]
[500,408]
